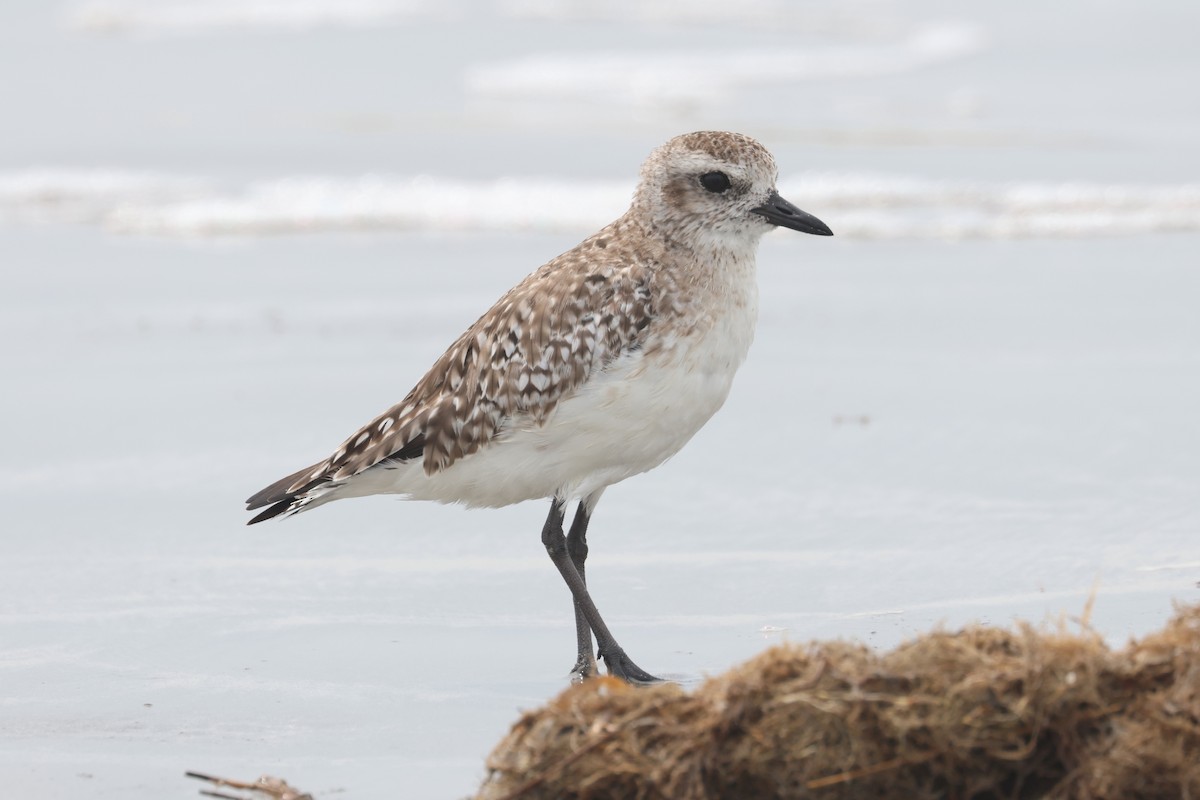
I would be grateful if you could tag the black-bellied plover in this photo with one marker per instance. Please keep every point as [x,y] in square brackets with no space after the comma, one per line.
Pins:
[598,366]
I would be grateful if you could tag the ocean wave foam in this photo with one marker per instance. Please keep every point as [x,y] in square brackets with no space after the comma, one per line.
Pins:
[123,16]
[89,194]
[889,207]
[651,78]
[863,206]
[841,17]
[374,202]
[174,17]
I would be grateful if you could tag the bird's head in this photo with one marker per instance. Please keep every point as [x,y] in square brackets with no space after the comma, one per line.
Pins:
[719,188]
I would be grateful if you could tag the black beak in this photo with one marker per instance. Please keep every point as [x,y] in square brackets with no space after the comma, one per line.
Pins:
[780,212]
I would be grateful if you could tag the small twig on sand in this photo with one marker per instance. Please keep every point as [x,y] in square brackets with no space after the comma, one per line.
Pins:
[272,787]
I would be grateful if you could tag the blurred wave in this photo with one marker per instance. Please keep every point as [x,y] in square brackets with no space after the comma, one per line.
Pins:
[174,17]
[88,195]
[131,16]
[862,206]
[376,202]
[649,78]
[865,17]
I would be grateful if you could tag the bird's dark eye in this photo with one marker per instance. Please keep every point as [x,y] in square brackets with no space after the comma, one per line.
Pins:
[715,182]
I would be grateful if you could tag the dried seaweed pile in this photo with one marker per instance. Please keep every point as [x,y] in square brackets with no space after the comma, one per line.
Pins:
[980,713]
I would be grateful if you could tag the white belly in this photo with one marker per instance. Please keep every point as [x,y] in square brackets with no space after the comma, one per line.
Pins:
[624,421]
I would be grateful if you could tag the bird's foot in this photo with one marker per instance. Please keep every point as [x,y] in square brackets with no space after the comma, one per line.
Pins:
[585,667]
[621,666]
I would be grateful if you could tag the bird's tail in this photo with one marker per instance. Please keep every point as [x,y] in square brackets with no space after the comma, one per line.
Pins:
[288,495]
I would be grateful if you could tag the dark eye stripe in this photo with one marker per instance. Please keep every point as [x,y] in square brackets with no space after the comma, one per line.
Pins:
[715,182]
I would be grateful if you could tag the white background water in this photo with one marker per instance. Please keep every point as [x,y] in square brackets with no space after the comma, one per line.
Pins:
[231,232]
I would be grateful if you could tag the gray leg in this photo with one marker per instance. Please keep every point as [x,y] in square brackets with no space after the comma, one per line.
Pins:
[619,664]
[585,662]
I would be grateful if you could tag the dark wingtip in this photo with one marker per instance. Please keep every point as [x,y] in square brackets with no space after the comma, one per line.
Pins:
[281,497]
[277,497]
[279,490]
[274,511]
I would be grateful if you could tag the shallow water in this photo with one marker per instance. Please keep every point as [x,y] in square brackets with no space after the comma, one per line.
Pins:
[975,403]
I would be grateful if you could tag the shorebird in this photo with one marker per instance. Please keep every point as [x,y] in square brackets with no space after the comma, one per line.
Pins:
[598,366]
